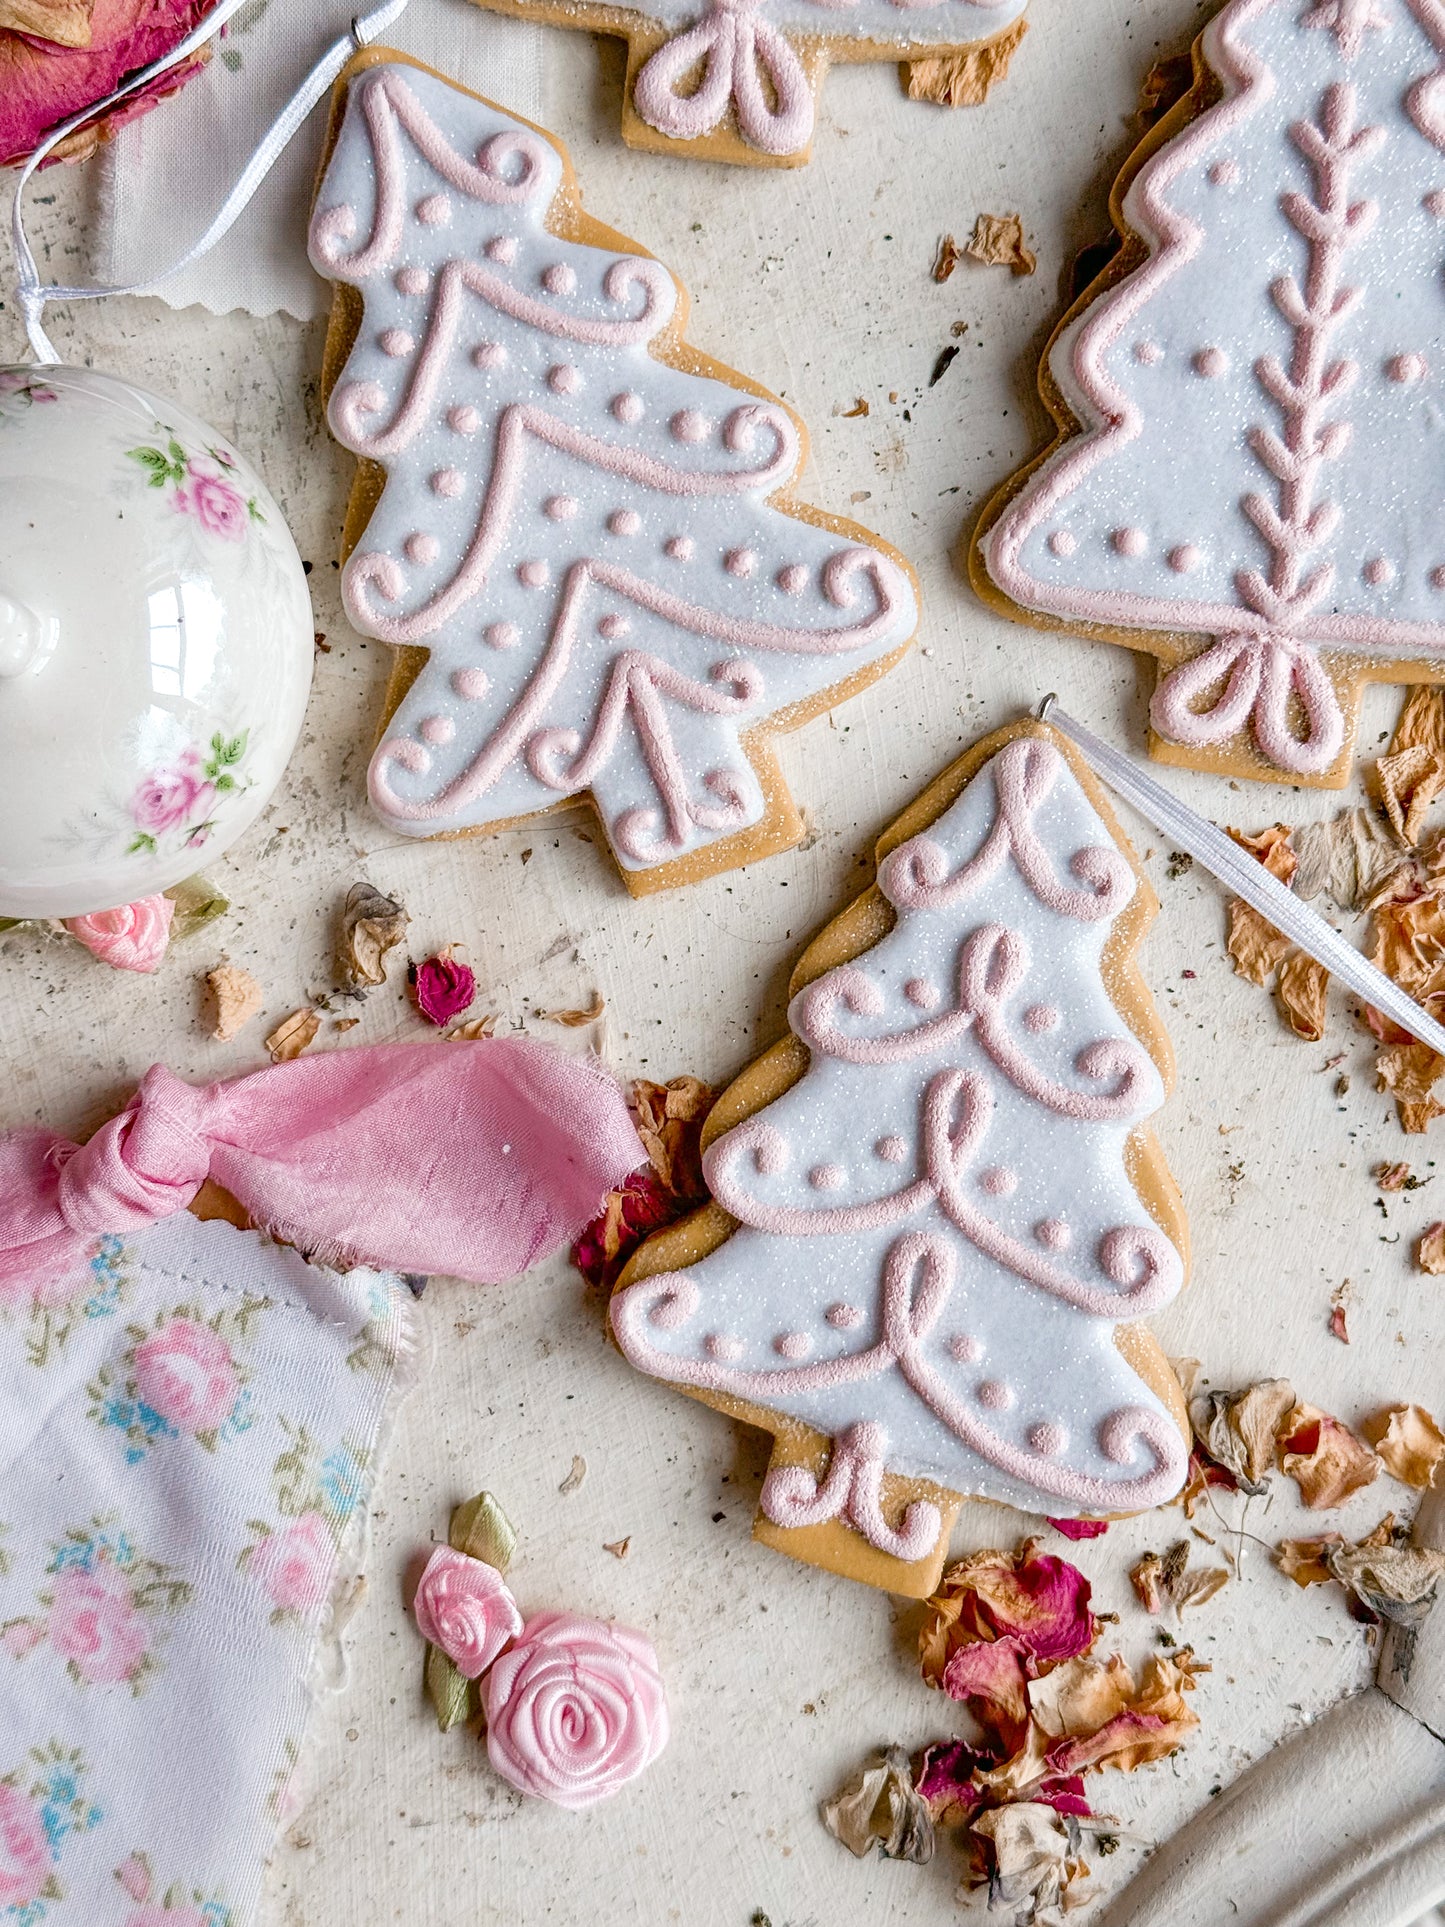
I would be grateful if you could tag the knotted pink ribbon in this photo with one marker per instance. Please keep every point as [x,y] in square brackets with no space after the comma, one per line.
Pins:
[736,42]
[1259,673]
[474,1159]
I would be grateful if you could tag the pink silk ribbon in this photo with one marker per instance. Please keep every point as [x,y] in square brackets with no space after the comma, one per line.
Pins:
[472,1159]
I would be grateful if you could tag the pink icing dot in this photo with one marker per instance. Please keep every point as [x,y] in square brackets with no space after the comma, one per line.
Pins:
[844,1317]
[396,342]
[624,522]
[471,684]
[564,379]
[995,1395]
[489,354]
[1211,363]
[921,993]
[1147,353]
[688,426]
[770,1156]
[1128,541]
[1053,1234]
[724,1346]
[412,280]
[1224,174]
[740,561]
[503,248]
[1437,578]
[503,635]
[1048,1440]
[422,547]
[437,729]
[559,278]
[434,210]
[826,1177]
[612,627]
[464,419]
[1040,1017]
[447,481]
[891,1149]
[999,1181]
[560,508]
[680,547]
[793,578]
[1062,542]
[1435,201]
[533,574]
[792,1344]
[964,1348]
[1407,367]
[1184,558]
[1378,571]
[627,407]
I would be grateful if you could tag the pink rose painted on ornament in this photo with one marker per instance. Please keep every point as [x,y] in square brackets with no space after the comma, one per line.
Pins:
[24,1850]
[95,1627]
[463,1606]
[169,797]
[575,1709]
[131,937]
[295,1566]
[216,503]
[185,1373]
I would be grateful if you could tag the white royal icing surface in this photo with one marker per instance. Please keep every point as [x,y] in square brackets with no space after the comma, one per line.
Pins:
[579,534]
[1004,1385]
[1263,458]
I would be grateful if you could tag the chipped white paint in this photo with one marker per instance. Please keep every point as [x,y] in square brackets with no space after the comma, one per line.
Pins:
[816,282]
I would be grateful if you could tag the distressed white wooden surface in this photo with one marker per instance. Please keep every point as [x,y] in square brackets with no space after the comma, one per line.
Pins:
[817,283]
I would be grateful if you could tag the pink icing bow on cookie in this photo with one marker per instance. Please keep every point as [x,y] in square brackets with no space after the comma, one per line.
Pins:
[472,1159]
[739,47]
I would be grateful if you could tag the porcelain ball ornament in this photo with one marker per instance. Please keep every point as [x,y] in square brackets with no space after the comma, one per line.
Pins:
[156,643]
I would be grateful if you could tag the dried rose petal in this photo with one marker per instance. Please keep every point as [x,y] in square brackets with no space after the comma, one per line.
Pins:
[443,987]
[1430,1251]
[1106,1720]
[945,1779]
[42,84]
[879,1807]
[1037,1597]
[991,1677]
[1080,1528]
[1324,1458]
[1307,1561]
[1408,1442]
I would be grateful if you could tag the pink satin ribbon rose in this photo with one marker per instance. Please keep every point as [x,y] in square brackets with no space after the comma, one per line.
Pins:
[463,1607]
[575,1709]
[131,937]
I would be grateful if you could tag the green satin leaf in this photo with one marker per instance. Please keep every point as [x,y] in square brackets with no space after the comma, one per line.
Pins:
[451,1695]
[483,1531]
[197,904]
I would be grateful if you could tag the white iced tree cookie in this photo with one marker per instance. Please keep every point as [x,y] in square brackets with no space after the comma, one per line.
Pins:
[584,522]
[933,1235]
[738,80]
[1249,398]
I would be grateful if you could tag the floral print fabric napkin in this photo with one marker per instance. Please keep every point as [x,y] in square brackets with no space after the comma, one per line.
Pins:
[189,1433]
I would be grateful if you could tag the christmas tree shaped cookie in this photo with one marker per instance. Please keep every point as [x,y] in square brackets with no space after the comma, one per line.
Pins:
[1248,475]
[937,1213]
[737,80]
[574,527]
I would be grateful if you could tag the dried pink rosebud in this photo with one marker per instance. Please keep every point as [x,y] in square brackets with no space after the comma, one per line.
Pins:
[443,987]
[463,1607]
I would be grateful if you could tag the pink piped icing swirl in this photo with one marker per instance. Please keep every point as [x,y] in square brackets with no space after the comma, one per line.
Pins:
[575,1709]
[464,1607]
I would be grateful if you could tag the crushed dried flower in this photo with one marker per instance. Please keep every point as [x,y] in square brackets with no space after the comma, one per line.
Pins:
[1410,1070]
[1430,1251]
[1171,1581]
[1324,1458]
[1097,1715]
[575,1019]
[947,258]
[1349,859]
[1408,1443]
[1036,1598]
[1301,991]
[998,241]
[1337,1324]
[443,987]
[859,408]
[1307,1561]
[472,1029]
[293,1035]
[880,1807]
[1392,1177]
[371,925]
[575,1477]
[234,998]
[1237,1430]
